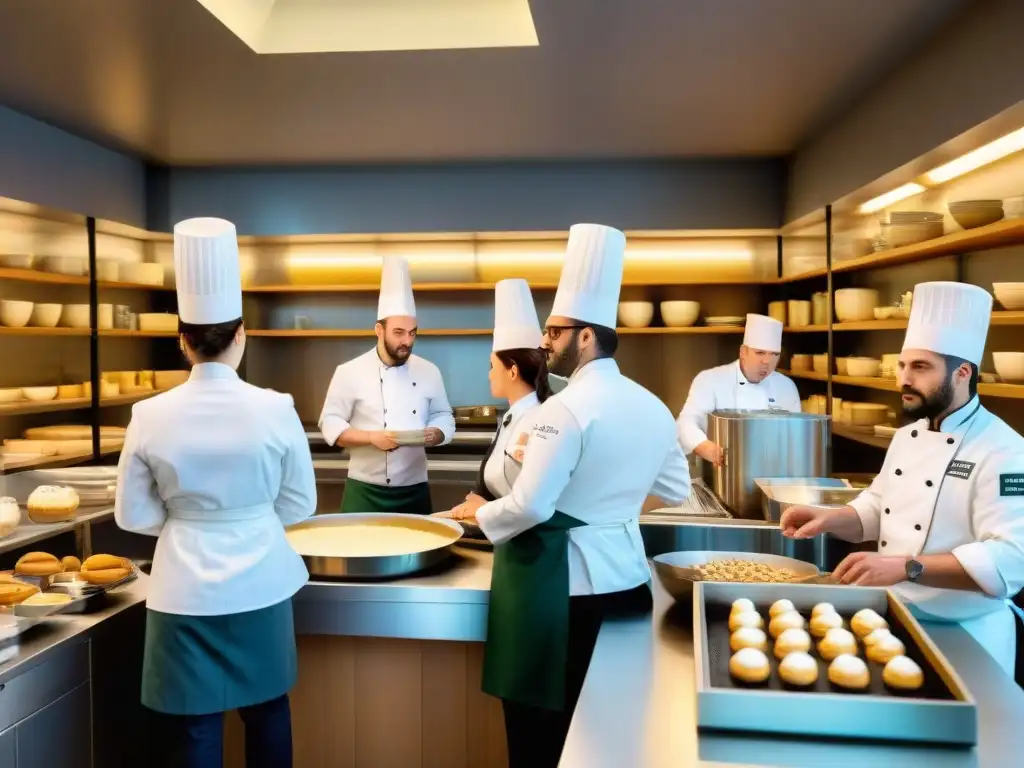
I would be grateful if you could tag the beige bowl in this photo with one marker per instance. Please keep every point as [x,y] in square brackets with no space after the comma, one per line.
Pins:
[145,274]
[45,315]
[76,316]
[821,363]
[867,414]
[105,316]
[863,366]
[1010,295]
[855,304]
[680,314]
[636,314]
[976,213]
[10,395]
[1009,366]
[15,314]
[801,363]
[39,394]
[70,392]
[841,366]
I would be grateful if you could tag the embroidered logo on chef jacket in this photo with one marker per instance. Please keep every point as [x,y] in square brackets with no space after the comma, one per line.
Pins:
[960,469]
[771,399]
[1011,485]
[542,430]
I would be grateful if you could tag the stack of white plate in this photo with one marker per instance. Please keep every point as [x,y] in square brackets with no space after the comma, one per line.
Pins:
[725,320]
[909,227]
[976,213]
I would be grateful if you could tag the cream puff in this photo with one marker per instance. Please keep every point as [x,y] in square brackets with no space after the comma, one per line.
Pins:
[792,641]
[745,619]
[821,608]
[875,636]
[779,607]
[798,668]
[742,605]
[748,637]
[866,621]
[823,622]
[749,665]
[849,672]
[837,642]
[886,649]
[784,621]
[903,674]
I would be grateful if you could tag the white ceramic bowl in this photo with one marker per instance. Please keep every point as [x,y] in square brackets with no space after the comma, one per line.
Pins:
[17,261]
[45,315]
[856,304]
[105,316]
[820,363]
[39,394]
[863,366]
[680,314]
[67,265]
[146,274]
[977,214]
[76,316]
[1010,295]
[636,314]
[107,271]
[15,314]
[1009,366]
[10,395]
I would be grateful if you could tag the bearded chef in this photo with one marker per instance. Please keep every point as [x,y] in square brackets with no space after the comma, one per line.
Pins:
[383,391]
[947,508]
[750,383]
[568,552]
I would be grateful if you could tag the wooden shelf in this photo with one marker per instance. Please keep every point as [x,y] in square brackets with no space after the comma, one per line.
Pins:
[72,404]
[29,331]
[1012,391]
[36,276]
[863,435]
[899,323]
[345,333]
[426,287]
[692,329]
[119,285]
[119,333]
[29,533]
[52,462]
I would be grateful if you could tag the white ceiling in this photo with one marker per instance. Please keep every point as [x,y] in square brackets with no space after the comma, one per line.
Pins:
[610,79]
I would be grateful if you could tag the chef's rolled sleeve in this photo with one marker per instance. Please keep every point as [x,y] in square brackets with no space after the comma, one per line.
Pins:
[337,410]
[440,411]
[673,481]
[138,506]
[296,498]
[692,423]
[551,455]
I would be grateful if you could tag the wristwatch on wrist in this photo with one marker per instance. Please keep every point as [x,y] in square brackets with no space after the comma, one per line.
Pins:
[914,569]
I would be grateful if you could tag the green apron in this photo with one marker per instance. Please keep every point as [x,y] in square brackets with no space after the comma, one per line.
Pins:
[366,497]
[528,618]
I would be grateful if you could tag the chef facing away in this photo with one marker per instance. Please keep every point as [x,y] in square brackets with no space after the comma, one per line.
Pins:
[749,383]
[568,552]
[947,507]
[216,469]
[386,390]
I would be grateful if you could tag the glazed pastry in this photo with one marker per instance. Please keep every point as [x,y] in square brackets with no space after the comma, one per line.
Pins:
[875,636]
[792,641]
[105,569]
[749,665]
[779,607]
[745,619]
[52,504]
[748,637]
[784,621]
[37,564]
[823,622]
[866,621]
[903,673]
[821,608]
[798,668]
[13,591]
[70,564]
[886,649]
[849,672]
[742,605]
[837,642]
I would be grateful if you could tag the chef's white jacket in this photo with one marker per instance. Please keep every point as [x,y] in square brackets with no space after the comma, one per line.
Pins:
[725,388]
[366,394]
[216,468]
[958,490]
[502,468]
[597,449]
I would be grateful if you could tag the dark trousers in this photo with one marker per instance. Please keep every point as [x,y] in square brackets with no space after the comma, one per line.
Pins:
[197,741]
[536,736]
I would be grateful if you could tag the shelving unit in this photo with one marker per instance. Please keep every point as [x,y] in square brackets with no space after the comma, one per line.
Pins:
[121,333]
[32,331]
[29,533]
[427,287]
[863,435]
[344,333]
[999,318]
[55,278]
[1012,391]
[25,407]
[54,462]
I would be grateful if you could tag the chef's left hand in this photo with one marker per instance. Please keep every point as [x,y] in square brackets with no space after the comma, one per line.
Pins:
[870,569]
[434,436]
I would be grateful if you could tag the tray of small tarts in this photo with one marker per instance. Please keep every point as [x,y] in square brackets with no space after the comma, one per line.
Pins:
[821,660]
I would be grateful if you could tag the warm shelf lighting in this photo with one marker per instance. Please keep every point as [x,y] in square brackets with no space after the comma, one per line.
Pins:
[891,198]
[996,150]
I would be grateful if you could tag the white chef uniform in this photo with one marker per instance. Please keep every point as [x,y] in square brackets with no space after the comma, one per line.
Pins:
[515,327]
[366,394]
[960,489]
[581,459]
[726,388]
[215,467]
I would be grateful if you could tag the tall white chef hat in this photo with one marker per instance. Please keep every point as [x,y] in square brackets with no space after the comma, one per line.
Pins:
[395,289]
[515,317]
[950,319]
[207,271]
[588,289]
[763,332]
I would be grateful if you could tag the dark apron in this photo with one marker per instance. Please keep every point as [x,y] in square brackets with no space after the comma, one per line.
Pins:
[528,618]
[366,497]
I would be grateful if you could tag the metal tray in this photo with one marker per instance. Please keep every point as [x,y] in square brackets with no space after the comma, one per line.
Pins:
[380,567]
[779,494]
[942,711]
[676,569]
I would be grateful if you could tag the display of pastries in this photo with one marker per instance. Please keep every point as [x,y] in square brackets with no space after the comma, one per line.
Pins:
[873,637]
[14,591]
[784,621]
[903,673]
[780,607]
[749,665]
[748,637]
[745,571]
[105,569]
[885,649]
[792,641]
[745,619]
[848,671]
[821,608]
[866,621]
[37,564]
[837,642]
[798,668]
[742,605]
[823,622]
[70,564]
[52,504]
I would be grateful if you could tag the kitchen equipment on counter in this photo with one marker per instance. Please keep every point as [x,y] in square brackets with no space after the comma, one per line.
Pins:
[780,493]
[446,532]
[863,366]
[1010,295]
[680,314]
[46,315]
[15,314]
[778,310]
[677,571]
[976,213]
[1009,366]
[636,314]
[758,444]
[701,503]
[799,312]
[855,304]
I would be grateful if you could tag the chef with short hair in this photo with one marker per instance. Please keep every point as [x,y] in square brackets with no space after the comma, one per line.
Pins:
[386,390]
[750,383]
[947,507]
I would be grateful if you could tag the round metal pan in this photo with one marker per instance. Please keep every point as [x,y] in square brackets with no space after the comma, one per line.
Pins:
[386,566]
[676,570]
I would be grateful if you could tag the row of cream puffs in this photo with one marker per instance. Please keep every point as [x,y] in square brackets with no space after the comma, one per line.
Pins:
[799,668]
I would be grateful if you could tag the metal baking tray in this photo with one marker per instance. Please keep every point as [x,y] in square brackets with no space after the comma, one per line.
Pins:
[386,566]
[942,711]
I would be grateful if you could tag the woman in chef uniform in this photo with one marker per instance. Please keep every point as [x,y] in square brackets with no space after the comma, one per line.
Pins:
[750,383]
[947,507]
[216,469]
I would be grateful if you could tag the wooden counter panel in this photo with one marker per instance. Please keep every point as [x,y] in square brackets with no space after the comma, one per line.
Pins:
[383,703]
